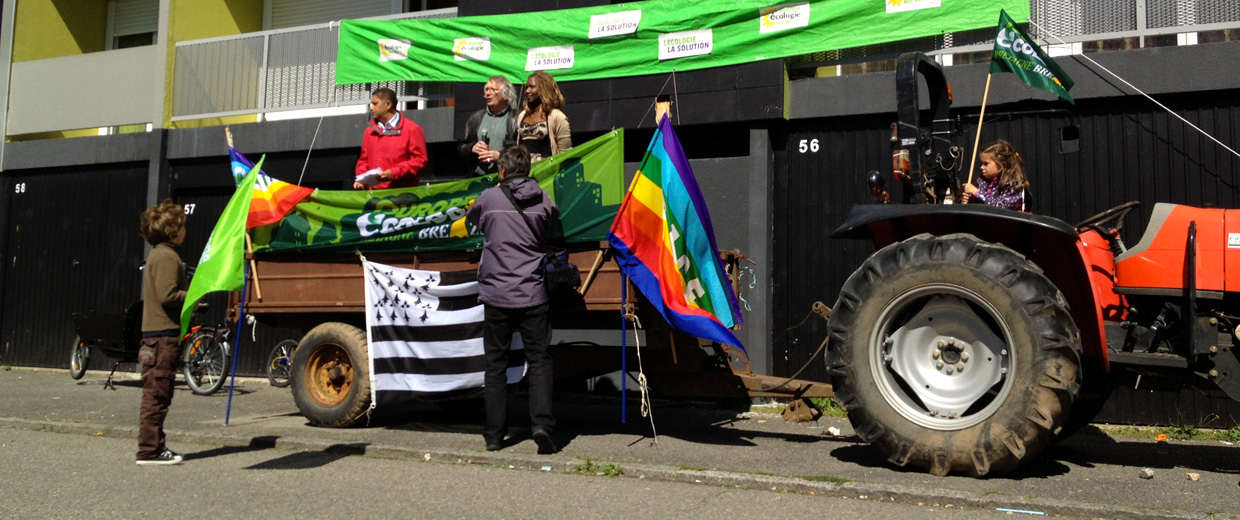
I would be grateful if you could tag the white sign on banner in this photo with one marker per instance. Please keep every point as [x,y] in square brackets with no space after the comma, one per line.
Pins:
[477,49]
[549,58]
[612,24]
[686,43]
[392,50]
[781,17]
[899,6]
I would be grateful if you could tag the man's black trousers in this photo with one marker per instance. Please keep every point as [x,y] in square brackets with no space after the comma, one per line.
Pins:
[535,331]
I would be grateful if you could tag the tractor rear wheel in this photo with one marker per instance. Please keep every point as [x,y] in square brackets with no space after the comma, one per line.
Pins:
[953,354]
[331,375]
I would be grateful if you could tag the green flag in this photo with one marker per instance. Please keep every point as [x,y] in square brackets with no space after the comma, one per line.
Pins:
[1015,52]
[221,266]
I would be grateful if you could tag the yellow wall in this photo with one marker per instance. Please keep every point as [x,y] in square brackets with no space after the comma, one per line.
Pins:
[54,28]
[198,19]
[87,132]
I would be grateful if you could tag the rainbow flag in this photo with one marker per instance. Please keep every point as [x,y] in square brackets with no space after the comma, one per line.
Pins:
[272,198]
[664,242]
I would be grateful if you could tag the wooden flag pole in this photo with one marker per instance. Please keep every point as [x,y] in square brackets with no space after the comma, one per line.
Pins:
[980,118]
[249,248]
[249,245]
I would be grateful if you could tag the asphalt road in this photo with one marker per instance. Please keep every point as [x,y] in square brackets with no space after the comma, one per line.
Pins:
[1090,475]
[64,476]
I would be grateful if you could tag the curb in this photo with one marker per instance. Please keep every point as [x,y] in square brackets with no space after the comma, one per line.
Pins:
[560,464]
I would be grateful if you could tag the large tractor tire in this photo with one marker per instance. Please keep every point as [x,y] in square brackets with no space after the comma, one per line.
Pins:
[331,375]
[953,354]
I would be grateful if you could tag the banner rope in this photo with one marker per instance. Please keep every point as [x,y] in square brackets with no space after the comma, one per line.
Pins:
[253,323]
[656,101]
[641,378]
[753,282]
[1133,87]
[331,96]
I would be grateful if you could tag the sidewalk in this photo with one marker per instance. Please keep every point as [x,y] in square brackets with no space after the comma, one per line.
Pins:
[1087,476]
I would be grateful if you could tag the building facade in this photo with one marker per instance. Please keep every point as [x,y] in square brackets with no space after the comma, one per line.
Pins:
[114,105]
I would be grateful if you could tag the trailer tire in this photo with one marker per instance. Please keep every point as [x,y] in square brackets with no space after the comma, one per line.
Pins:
[331,375]
[899,373]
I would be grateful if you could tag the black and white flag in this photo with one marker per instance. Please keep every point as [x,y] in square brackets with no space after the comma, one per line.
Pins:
[425,333]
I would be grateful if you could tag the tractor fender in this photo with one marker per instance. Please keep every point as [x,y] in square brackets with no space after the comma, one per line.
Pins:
[1052,244]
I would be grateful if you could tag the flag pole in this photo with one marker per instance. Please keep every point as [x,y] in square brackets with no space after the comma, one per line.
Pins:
[624,333]
[980,119]
[237,342]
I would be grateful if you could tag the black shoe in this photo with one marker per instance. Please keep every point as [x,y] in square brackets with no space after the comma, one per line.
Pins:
[494,446]
[165,458]
[546,446]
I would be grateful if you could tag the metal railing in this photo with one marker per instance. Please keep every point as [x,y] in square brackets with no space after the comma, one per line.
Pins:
[1073,21]
[278,70]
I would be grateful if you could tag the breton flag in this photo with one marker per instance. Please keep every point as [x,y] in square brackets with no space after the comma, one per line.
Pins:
[664,242]
[1015,52]
[425,333]
[271,198]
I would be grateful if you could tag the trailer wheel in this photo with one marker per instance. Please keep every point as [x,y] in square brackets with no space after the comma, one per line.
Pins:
[330,375]
[953,354]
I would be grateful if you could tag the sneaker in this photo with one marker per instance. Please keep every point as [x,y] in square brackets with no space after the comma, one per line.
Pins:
[546,446]
[165,458]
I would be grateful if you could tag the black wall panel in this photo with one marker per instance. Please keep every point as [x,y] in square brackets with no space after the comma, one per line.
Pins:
[72,246]
[1129,150]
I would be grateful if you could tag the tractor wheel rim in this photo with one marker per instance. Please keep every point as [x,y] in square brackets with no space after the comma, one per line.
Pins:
[327,391]
[941,356]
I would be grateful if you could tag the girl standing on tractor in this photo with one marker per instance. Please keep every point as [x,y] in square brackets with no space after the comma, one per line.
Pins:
[1003,183]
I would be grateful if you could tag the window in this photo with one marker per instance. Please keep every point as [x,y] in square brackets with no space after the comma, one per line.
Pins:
[132,23]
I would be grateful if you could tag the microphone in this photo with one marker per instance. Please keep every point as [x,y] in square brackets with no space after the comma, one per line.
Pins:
[482,136]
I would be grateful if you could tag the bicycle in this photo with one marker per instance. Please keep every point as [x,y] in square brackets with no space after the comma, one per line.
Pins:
[279,363]
[205,358]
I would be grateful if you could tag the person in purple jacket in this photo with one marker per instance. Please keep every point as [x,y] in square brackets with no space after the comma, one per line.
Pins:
[1003,182]
[510,286]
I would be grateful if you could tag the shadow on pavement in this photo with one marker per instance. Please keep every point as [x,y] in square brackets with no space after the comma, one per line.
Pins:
[313,459]
[1087,450]
[256,444]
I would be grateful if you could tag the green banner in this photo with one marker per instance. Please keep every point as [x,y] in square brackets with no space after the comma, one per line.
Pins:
[633,39]
[1015,52]
[587,182]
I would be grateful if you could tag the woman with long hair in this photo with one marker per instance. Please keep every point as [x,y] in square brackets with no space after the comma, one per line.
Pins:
[542,128]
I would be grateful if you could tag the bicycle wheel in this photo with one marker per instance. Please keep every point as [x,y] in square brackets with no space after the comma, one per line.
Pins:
[279,361]
[204,362]
[77,362]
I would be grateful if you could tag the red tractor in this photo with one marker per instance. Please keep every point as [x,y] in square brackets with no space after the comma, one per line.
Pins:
[975,336]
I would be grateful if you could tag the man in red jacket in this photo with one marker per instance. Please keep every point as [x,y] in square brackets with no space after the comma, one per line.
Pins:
[393,147]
